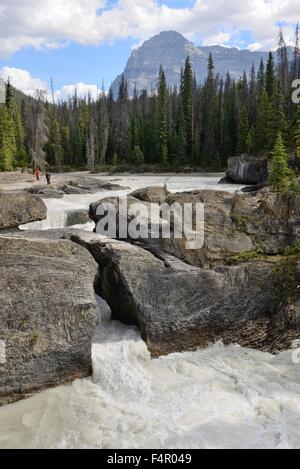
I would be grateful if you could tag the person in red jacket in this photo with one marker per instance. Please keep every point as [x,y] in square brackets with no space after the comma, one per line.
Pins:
[38,174]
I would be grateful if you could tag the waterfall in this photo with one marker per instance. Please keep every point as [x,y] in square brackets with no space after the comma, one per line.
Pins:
[57,216]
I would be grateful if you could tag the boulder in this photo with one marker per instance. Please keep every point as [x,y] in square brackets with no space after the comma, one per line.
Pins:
[178,307]
[271,220]
[20,208]
[233,224]
[91,184]
[255,187]
[221,239]
[46,192]
[48,314]
[155,194]
[72,190]
[77,217]
[246,169]
[113,187]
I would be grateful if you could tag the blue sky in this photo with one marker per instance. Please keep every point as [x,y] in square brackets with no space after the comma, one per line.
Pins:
[75,63]
[85,41]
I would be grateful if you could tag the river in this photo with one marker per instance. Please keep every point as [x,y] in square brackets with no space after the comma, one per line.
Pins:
[220,397]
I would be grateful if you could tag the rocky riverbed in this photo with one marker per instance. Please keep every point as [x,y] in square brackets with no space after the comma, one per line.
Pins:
[233,290]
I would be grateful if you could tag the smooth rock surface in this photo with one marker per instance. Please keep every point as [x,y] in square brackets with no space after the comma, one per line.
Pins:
[48,313]
[233,223]
[178,307]
[20,208]
[77,217]
[154,194]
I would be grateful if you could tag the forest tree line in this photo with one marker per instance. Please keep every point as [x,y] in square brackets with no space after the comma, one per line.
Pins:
[192,124]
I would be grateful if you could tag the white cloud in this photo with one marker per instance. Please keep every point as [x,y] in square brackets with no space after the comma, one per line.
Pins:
[53,23]
[219,38]
[22,80]
[82,90]
[255,46]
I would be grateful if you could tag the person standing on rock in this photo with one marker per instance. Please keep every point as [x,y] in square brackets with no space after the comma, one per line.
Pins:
[48,177]
[38,174]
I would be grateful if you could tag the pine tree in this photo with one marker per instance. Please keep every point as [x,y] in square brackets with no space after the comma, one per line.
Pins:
[243,119]
[66,144]
[137,156]
[91,146]
[283,68]
[8,148]
[278,121]
[280,173]
[21,156]
[111,145]
[55,150]
[209,114]
[252,97]
[262,130]
[261,78]
[243,131]
[230,119]
[122,120]
[270,77]
[187,105]
[181,138]
[40,132]
[115,160]
[79,147]
[163,117]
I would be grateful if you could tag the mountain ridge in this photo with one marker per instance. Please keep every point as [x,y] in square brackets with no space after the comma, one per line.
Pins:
[170,49]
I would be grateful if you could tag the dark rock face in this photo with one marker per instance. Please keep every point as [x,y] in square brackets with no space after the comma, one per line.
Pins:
[255,187]
[246,169]
[48,314]
[178,307]
[20,208]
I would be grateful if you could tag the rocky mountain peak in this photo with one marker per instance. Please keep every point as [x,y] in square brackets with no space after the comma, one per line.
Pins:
[170,49]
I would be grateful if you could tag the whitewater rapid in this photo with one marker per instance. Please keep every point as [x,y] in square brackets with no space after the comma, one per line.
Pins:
[58,208]
[220,397]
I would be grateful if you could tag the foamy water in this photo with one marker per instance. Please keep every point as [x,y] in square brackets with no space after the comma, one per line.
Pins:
[220,397]
[58,208]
